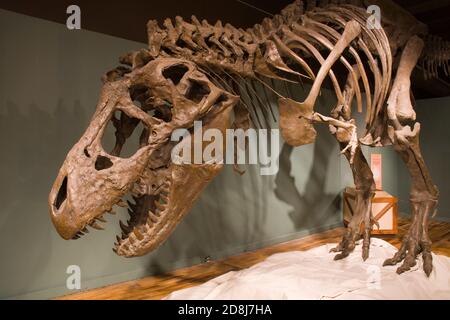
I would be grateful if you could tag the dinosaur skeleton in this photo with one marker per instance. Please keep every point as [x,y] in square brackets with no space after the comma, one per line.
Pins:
[197,71]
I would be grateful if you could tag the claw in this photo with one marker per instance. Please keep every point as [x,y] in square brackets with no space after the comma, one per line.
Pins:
[365,254]
[408,253]
[341,255]
[408,263]
[389,262]
[366,245]
[427,260]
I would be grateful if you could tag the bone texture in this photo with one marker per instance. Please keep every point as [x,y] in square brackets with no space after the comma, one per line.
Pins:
[228,77]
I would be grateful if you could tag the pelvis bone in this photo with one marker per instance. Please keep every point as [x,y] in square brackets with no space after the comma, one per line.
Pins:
[164,95]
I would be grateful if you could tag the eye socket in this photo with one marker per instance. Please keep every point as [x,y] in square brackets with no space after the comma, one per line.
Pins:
[197,91]
[139,93]
[124,135]
[175,73]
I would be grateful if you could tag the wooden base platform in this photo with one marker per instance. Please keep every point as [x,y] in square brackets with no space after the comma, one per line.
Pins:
[157,287]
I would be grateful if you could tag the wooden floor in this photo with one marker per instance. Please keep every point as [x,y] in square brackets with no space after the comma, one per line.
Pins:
[157,287]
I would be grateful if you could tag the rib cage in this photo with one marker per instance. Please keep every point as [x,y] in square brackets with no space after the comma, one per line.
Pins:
[435,57]
[277,49]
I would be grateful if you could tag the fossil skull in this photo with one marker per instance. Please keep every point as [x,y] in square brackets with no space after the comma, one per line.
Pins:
[163,95]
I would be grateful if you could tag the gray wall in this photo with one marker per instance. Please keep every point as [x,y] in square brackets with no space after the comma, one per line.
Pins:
[49,86]
[433,114]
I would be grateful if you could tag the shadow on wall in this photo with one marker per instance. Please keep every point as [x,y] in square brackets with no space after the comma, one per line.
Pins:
[229,217]
[33,146]
[307,208]
[240,213]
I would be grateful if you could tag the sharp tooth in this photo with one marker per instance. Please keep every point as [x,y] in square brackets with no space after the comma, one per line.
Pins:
[114,249]
[118,239]
[121,203]
[138,234]
[132,205]
[124,236]
[153,217]
[164,198]
[96,226]
[101,219]
[85,230]
[124,227]
[76,237]
[160,206]
[131,213]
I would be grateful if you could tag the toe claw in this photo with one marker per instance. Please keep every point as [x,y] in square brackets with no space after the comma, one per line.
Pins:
[408,263]
[341,256]
[428,269]
[427,263]
[365,255]
[401,269]
[387,262]
[335,249]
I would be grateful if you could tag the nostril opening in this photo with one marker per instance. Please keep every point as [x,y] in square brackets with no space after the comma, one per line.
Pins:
[62,194]
[86,153]
[103,163]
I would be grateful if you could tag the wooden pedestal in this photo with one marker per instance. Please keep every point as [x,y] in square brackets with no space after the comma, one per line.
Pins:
[384,210]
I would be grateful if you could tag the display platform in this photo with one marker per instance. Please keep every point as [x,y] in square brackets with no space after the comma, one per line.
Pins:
[313,274]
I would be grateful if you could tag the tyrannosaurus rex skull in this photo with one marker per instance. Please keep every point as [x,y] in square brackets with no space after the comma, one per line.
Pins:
[164,95]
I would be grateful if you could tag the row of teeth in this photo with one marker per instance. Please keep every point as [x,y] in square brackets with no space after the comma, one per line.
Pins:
[94,223]
[129,232]
[136,233]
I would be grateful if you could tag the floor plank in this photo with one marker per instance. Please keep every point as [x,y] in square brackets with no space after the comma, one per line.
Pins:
[157,287]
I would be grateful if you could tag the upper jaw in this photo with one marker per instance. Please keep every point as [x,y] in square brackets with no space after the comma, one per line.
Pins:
[75,204]
[68,221]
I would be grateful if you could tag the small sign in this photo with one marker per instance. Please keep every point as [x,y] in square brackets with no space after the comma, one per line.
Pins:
[376,167]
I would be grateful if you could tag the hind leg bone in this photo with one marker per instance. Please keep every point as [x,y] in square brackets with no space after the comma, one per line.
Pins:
[424,194]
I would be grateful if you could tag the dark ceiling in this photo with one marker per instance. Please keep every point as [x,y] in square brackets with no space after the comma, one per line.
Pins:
[127,19]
